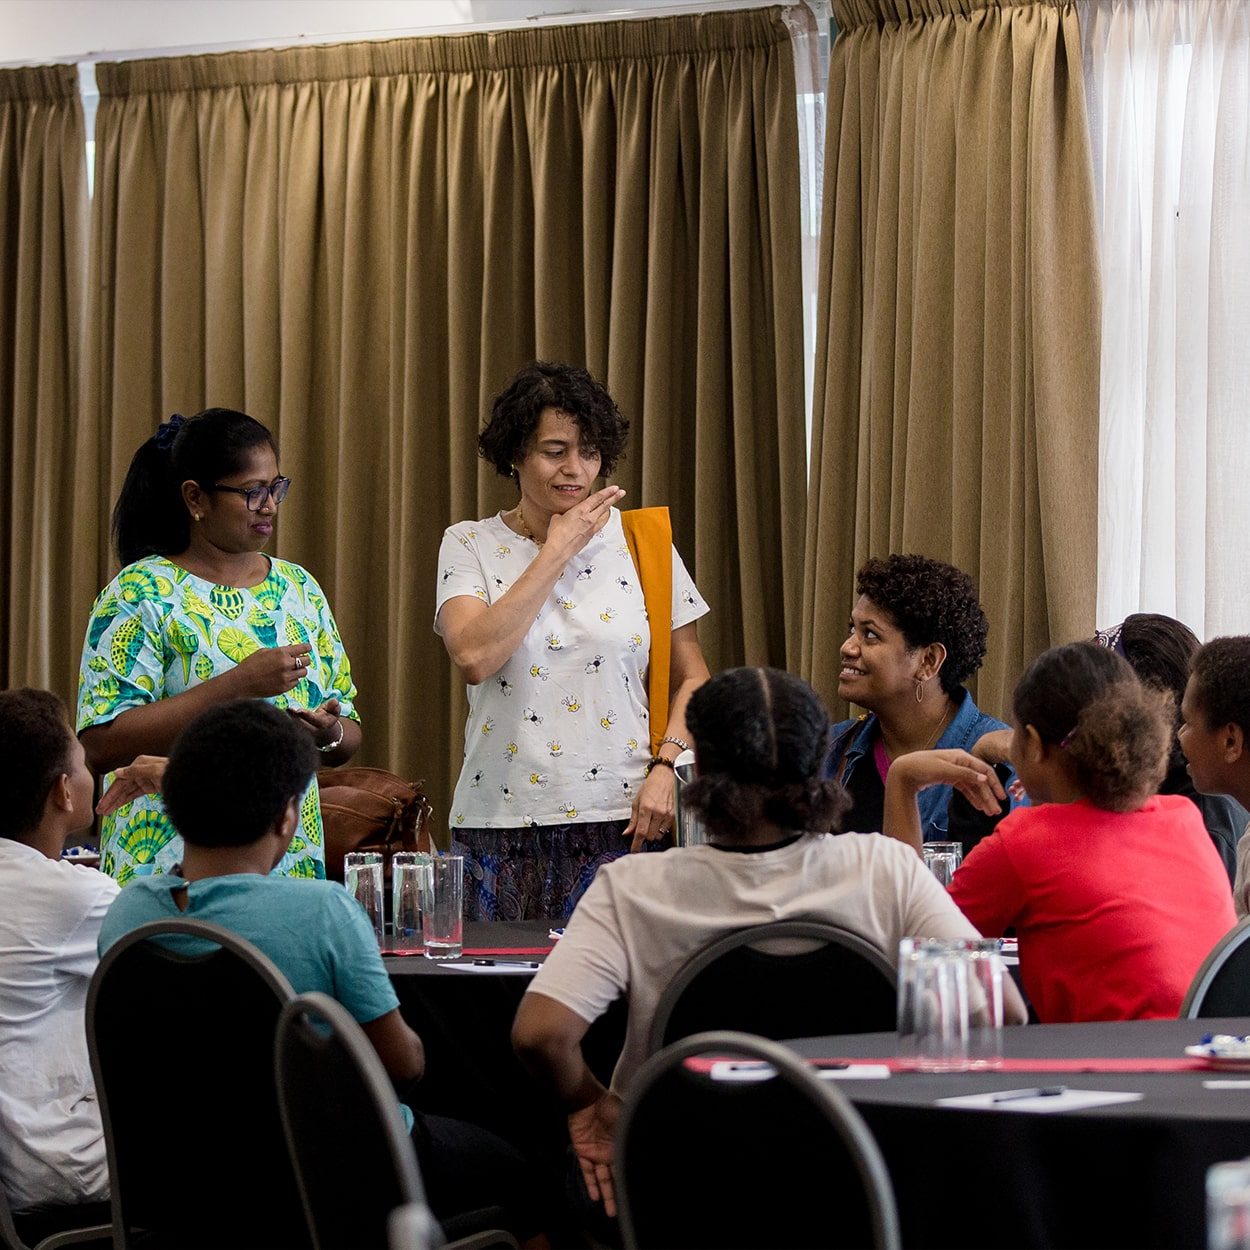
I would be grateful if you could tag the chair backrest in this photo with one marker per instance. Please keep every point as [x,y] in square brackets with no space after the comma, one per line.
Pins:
[781,1161]
[838,983]
[1221,987]
[338,1104]
[181,1040]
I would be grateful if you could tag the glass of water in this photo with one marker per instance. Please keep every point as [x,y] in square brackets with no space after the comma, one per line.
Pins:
[362,875]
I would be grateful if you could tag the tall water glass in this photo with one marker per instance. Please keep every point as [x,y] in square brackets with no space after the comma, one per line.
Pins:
[942,859]
[443,915]
[933,1003]
[410,883]
[362,875]
[985,1007]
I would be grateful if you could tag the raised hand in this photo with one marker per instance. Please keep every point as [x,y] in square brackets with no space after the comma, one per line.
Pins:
[570,531]
[143,776]
[321,722]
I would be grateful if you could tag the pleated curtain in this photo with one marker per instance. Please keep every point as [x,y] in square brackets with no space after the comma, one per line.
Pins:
[359,245]
[956,393]
[43,235]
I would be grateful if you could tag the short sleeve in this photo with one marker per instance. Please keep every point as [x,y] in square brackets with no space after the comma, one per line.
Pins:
[589,967]
[987,888]
[336,668]
[79,955]
[688,604]
[123,655]
[361,983]
[460,571]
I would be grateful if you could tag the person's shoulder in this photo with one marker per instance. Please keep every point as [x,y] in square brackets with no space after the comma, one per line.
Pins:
[467,532]
[150,579]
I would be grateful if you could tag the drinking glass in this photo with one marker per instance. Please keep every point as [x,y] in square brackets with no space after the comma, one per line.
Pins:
[985,991]
[933,1003]
[942,859]
[442,916]
[410,877]
[362,875]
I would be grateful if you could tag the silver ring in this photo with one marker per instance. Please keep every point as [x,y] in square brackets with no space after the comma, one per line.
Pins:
[299,661]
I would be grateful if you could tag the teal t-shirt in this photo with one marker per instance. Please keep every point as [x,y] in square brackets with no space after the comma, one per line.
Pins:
[157,631]
[314,931]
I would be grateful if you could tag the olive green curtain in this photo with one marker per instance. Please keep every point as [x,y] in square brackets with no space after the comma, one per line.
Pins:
[956,396]
[43,235]
[360,244]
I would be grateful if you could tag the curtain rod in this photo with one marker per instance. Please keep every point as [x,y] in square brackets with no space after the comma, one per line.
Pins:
[563,18]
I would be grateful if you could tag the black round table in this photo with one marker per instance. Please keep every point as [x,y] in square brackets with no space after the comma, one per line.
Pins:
[1126,1175]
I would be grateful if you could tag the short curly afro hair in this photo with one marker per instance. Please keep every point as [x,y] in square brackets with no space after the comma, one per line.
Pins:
[517,409]
[930,602]
[1221,675]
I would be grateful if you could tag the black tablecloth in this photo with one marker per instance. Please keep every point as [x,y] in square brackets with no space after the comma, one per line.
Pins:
[1130,1175]
[465,1022]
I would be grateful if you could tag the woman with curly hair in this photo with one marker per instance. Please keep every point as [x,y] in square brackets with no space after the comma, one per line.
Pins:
[542,611]
[760,737]
[1114,890]
[917,633]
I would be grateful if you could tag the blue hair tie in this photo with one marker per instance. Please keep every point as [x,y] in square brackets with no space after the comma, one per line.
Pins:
[167,431]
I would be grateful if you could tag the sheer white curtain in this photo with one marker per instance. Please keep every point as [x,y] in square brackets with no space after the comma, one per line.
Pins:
[1168,84]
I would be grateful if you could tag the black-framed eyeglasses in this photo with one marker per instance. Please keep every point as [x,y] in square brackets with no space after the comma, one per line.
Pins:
[257,495]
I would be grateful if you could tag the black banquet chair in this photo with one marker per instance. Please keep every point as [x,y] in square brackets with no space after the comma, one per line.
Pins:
[1221,986]
[338,1104]
[703,1163]
[181,1040]
[790,978]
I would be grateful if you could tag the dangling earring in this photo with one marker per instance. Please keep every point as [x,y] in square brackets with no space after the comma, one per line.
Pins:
[919,690]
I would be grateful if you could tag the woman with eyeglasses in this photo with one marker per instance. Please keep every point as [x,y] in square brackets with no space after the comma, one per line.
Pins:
[200,615]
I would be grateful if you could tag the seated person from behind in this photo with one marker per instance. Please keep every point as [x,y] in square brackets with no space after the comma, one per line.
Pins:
[1215,736]
[760,738]
[1115,891]
[51,1140]
[917,633]
[232,789]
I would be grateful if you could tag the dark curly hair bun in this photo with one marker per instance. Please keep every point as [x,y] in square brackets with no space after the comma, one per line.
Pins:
[761,736]
[930,602]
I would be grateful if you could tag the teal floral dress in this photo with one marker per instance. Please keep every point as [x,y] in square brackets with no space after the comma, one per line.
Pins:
[156,631]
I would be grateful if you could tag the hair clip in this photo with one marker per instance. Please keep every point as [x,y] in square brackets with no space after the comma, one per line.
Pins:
[167,431]
[1110,638]
[1066,741]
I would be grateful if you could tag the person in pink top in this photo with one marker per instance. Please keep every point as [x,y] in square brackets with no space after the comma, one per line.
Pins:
[1115,892]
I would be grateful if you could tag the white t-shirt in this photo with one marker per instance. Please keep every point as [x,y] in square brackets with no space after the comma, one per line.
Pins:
[559,735]
[51,1141]
[645,915]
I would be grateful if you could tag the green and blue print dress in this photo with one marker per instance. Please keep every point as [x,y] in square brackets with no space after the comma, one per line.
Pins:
[156,631]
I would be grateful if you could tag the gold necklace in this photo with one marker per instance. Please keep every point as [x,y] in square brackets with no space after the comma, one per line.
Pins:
[937,732]
[526,532]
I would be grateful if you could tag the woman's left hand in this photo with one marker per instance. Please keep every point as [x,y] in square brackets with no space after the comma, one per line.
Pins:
[322,722]
[654,805]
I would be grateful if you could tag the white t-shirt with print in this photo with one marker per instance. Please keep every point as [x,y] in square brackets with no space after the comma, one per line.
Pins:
[559,735]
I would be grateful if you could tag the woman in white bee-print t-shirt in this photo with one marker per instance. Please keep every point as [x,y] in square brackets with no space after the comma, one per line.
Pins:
[541,610]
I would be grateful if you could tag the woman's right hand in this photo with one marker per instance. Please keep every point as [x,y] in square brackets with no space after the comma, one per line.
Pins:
[271,671]
[974,778]
[570,531]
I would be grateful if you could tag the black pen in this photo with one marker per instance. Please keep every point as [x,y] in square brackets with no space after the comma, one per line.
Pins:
[505,963]
[1045,1091]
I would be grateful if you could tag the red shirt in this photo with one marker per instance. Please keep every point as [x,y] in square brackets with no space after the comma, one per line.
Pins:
[1115,911]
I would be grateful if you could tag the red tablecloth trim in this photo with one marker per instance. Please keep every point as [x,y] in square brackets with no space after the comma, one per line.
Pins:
[479,951]
[1119,1064]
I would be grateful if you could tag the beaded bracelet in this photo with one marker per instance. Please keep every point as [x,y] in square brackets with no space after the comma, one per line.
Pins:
[677,742]
[659,759]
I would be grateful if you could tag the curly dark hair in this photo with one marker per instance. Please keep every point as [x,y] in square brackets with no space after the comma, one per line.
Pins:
[1114,728]
[233,770]
[517,409]
[1221,673]
[761,737]
[930,602]
[35,741]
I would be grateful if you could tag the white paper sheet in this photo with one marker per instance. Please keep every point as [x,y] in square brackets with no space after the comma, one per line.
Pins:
[1069,1100]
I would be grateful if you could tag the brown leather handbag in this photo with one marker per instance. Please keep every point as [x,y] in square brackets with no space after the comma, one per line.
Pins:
[369,809]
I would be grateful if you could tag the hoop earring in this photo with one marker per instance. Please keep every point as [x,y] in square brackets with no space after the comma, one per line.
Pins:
[919,690]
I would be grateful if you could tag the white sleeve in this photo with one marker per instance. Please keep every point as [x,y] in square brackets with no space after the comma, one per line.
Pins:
[588,969]
[459,568]
[79,954]
[688,604]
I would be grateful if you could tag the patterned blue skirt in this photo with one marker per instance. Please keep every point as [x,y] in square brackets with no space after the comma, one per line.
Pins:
[537,873]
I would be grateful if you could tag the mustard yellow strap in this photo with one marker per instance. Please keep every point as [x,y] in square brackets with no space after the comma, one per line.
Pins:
[649,536]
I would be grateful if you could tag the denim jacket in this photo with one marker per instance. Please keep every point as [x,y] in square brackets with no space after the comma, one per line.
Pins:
[852,742]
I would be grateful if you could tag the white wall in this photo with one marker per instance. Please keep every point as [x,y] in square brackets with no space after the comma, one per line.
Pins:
[37,31]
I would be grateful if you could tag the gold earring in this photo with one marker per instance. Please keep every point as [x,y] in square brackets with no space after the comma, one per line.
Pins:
[197,516]
[919,690]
